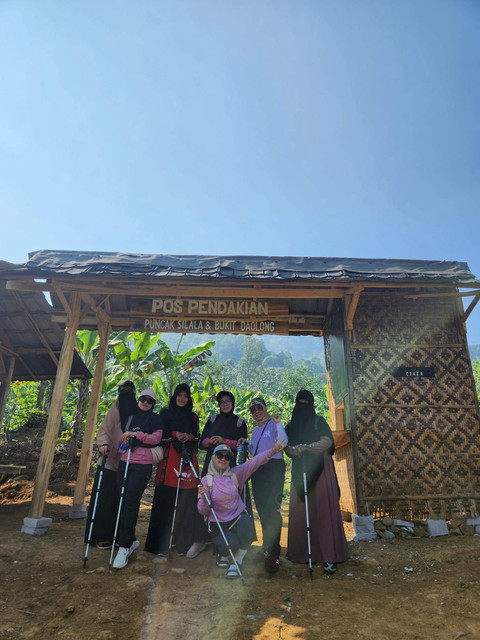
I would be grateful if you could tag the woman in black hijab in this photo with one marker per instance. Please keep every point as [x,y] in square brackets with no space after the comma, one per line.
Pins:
[311,446]
[181,431]
[223,428]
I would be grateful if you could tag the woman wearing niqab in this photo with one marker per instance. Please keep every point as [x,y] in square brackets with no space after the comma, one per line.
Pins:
[311,446]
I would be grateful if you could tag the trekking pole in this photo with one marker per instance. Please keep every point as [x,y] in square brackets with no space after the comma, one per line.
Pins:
[209,502]
[308,525]
[124,482]
[94,510]
[176,497]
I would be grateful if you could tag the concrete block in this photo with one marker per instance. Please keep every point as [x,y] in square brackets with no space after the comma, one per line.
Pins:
[473,521]
[363,527]
[78,511]
[437,527]
[36,526]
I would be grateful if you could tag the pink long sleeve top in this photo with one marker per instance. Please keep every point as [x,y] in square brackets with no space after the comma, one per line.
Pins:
[224,494]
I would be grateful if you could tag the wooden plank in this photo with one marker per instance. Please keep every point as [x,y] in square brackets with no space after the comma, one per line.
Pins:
[91,420]
[5,388]
[36,328]
[341,438]
[96,308]
[352,307]
[54,416]
[470,308]
[198,307]
[12,469]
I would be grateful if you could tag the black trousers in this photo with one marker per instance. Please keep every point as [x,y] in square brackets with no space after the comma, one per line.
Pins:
[107,508]
[138,476]
[267,489]
[161,519]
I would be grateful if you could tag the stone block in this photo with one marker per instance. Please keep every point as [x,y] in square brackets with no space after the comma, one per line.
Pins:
[363,527]
[473,521]
[437,527]
[78,511]
[36,526]
[404,525]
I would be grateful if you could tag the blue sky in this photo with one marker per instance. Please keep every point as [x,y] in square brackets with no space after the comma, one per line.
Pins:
[268,127]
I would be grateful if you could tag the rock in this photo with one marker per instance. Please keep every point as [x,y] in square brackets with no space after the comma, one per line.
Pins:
[455,531]
[456,522]
[388,535]
[387,521]
[178,570]
[159,560]
[420,531]
[467,529]
[101,570]
[379,526]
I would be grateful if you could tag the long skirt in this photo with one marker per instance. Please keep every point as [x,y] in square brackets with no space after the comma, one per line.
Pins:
[106,510]
[161,519]
[327,536]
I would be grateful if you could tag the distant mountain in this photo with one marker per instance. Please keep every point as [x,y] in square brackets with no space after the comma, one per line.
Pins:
[474,351]
[230,347]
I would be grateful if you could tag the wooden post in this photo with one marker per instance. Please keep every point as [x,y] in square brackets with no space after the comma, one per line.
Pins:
[5,388]
[55,414]
[78,509]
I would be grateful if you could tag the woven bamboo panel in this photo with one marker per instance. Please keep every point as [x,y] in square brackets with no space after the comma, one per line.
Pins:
[418,439]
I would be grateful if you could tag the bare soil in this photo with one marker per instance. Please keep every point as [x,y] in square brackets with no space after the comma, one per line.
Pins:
[412,589]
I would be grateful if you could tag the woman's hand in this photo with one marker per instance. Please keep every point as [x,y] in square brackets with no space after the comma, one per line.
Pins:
[278,446]
[103,449]
[216,440]
[276,417]
[242,440]
[127,435]
[202,491]
[183,437]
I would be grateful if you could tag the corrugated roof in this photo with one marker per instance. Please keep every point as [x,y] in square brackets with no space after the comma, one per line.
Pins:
[90,263]
[18,334]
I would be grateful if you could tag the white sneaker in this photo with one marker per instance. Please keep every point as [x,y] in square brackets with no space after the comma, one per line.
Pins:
[121,559]
[134,547]
[196,549]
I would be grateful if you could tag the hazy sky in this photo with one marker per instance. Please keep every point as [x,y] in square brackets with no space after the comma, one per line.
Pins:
[268,127]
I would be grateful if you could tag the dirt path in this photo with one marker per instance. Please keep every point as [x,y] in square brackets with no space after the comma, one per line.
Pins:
[417,589]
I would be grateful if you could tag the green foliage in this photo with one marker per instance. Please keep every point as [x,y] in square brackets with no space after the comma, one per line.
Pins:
[476,373]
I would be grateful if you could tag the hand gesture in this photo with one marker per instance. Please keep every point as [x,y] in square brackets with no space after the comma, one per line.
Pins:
[127,435]
[278,446]
[276,417]
[201,490]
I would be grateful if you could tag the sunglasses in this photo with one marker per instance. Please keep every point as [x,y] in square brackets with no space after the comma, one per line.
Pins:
[256,407]
[146,399]
[223,456]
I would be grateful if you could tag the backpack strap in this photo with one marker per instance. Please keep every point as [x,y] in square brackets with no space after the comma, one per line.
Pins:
[209,478]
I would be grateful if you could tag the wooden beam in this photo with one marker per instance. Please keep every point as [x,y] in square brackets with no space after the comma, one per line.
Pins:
[470,307]
[445,294]
[4,338]
[36,328]
[91,421]
[55,414]
[352,303]
[4,389]
[96,308]
[62,298]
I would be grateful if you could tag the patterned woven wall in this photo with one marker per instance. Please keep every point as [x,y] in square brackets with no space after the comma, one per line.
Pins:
[418,439]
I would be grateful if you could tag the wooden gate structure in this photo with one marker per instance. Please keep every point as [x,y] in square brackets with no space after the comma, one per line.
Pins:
[403,403]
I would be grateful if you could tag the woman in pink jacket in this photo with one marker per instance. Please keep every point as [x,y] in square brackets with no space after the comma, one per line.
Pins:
[223,484]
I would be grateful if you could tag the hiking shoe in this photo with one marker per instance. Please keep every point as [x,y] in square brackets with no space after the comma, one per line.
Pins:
[329,567]
[232,572]
[121,559]
[104,544]
[272,563]
[222,561]
[134,547]
[196,549]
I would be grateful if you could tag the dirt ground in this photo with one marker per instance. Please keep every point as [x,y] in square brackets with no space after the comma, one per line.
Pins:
[413,589]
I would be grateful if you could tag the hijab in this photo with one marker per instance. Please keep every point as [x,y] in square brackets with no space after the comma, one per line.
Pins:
[127,402]
[306,427]
[177,418]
